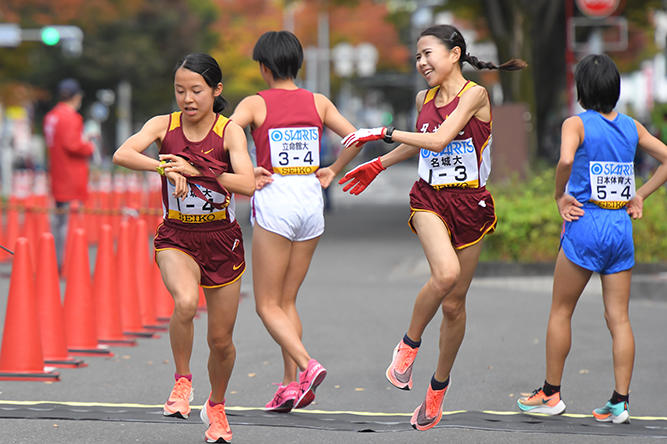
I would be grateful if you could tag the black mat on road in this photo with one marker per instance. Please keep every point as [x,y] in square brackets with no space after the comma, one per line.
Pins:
[339,421]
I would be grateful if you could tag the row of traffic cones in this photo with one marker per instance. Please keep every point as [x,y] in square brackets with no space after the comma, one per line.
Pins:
[122,302]
[110,199]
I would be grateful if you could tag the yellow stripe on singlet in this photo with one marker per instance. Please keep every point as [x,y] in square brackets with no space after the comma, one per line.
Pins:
[175,120]
[220,124]
[467,86]
[430,94]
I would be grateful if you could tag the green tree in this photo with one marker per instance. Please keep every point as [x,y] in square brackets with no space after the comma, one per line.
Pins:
[124,40]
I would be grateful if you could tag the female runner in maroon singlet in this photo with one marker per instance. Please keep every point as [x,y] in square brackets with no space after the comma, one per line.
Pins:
[451,210]
[287,208]
[199,242]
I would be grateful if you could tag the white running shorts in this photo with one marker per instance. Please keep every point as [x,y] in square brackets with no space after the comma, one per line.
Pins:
[291,206]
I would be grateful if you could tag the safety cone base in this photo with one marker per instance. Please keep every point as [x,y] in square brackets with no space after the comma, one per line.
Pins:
[66,363]
[118,342]
[46,375]
[99,351]
[156,327]
[141,334]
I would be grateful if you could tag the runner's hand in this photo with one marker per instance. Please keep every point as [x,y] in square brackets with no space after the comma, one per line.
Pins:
[178,165]
[262,177]
[180,183]
[569,208]
[635,207]
[362,176]
[325,176]
[363,135]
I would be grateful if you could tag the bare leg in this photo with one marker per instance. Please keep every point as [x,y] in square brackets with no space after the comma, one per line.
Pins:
[299,262]
[569,281]
[453,324]
[270,260]
[222,305]
[445,270]
[181,276]
[616,295]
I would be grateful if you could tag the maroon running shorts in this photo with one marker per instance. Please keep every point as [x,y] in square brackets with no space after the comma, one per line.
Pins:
[468,213]
[219,253]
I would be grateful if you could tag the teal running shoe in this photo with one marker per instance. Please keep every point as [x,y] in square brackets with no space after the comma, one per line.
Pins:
[616,413]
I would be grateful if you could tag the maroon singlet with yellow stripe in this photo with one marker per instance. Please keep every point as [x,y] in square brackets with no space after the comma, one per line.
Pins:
[193,212]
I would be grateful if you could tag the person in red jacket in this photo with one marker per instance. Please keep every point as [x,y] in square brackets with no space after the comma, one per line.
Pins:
[69,154]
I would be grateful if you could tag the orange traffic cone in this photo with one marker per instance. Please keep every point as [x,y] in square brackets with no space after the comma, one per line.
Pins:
[21,356]
[80,322]
[29,229]
[164,303]
[12,231]
[130,314]
[72,221]
[49,307]
[145,292]
[107,306]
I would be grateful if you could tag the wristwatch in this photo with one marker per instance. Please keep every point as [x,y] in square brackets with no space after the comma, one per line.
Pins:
[387,134]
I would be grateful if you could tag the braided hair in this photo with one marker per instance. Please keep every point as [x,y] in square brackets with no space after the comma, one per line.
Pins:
[452,37]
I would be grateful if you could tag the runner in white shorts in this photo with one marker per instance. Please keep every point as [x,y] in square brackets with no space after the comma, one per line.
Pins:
[291,206]
[287,209]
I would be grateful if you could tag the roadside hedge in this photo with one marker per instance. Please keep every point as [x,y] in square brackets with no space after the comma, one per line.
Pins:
[529,226]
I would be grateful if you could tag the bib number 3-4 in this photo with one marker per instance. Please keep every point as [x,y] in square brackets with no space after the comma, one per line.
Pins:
[295,150]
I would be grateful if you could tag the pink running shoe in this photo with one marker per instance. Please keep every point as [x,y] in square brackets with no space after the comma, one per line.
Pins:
[429,413]
[399,372]
[178,403]
[215,419]
[284,399]
[309,380]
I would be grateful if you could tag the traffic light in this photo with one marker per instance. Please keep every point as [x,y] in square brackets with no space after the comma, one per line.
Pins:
[50,35]
[70,38]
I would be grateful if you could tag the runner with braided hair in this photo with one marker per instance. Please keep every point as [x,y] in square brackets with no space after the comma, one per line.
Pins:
[451,209]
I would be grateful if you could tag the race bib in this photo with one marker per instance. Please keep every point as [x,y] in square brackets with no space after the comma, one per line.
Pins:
[195,210]
[612,183]
[295,150]
[454,166]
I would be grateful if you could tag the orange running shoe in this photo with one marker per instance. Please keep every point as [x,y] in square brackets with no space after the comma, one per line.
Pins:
[538,402]
[429,413]
[178,403]
[216,420]
[399,372]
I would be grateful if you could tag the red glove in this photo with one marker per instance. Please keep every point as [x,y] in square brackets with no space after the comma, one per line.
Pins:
[364,135]
[362,176]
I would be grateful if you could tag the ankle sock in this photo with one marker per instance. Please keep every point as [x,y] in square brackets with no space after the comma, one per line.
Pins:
[616,398]
[410,342]
[213,404]
[549,389]
[437,385]
[188,376]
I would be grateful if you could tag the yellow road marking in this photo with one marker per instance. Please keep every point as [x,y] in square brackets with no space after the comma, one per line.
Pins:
[312,412]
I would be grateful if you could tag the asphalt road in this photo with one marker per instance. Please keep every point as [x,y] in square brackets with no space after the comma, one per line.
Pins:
[355,306]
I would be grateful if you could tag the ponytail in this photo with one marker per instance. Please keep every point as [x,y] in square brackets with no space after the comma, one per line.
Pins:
[510,65]
[219,104]
[452,37]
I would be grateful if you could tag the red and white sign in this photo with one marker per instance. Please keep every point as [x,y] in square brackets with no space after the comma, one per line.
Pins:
[598,8]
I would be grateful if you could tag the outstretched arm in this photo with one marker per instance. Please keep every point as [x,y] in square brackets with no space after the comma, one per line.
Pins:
[472,102]
[333,119]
